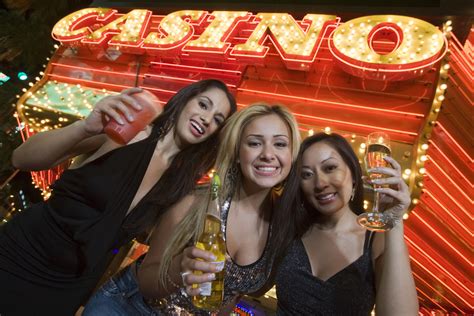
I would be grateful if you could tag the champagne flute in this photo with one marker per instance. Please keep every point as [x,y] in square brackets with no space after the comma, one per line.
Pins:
[378,146]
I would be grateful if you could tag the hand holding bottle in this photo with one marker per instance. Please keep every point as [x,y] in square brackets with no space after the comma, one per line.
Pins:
[199,267]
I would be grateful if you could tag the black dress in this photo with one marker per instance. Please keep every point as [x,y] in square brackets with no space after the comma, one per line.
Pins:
[53,254]
[350,291]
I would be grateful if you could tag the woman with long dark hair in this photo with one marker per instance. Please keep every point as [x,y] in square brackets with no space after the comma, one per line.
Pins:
[53,254]
[327,264]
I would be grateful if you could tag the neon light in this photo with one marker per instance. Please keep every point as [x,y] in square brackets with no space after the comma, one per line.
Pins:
[415,49]
[451,197]
[65,30]
[217,33]
[90,81]
[451,163]
[432,288]
[451,180]
[455,142]
[235,72]
[445,209]
[297,42]
[366,108]
[93,70]
[440,267]
[442,238]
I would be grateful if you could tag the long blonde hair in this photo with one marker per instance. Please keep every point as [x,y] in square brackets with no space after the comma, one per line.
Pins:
[189,229]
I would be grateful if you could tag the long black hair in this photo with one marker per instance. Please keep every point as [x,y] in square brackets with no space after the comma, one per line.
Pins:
[189,165]
[293,217]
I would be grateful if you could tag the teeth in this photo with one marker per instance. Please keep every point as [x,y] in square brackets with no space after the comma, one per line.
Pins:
[267,169]
[326,196]
[196,126]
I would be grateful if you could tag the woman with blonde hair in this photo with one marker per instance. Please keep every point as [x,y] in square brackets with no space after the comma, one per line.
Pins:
[258,146]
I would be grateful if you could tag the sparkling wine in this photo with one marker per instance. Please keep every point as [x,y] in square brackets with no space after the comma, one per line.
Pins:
[212,239]
[375,158]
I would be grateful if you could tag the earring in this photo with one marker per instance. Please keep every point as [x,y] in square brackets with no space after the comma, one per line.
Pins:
[353,193]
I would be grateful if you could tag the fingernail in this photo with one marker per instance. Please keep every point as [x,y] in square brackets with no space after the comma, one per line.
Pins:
[211,277]
[219,266]
[120,121]
[130,117]
[213,258]
[138,106]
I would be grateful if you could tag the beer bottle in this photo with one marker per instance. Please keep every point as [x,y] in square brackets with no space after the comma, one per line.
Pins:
[212,239]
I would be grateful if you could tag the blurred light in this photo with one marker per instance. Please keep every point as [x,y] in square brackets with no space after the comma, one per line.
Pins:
[22,75]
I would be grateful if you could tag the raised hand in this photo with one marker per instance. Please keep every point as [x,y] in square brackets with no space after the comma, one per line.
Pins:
[395,195]
[114,107]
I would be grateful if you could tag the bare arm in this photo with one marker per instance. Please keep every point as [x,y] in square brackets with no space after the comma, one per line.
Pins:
[396,291]
[148,272]
[47,149]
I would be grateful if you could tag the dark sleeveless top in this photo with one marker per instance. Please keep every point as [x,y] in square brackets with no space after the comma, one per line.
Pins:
[67,242]
[350,291]
[238,280]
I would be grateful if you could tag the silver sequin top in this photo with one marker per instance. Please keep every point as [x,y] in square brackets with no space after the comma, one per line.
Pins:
[238,280]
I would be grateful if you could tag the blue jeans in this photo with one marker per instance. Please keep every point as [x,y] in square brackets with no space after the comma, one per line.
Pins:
[120,296]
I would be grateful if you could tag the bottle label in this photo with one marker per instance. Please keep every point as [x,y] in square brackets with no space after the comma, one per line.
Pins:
[206,287]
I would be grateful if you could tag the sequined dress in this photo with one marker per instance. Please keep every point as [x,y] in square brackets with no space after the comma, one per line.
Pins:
[350,291]
[238,279]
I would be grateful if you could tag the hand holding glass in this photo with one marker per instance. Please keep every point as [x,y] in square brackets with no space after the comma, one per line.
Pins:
[378,146]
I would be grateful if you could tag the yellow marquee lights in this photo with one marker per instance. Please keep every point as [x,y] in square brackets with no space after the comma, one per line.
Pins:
[216,33]
[418,44]
[75,25]
[129,29]
[417,39]
[288,34]
[175,27]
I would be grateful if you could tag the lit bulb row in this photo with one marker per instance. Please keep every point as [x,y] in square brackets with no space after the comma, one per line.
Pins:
[67,98]
[129,32]
[422,146]
[134,28]
[212,35]
[62,29]
[420,40]
[287,32]
[176,28]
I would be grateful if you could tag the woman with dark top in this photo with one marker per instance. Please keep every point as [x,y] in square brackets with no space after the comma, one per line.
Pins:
[257,147]
[53,254]
[334,266]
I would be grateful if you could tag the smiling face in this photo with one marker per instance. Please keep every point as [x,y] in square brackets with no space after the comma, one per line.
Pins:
[202,116]
[326,180]
[265,152]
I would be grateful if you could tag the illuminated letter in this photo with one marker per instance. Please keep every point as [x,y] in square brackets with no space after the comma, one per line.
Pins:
[411,47]
[75,26]
[177,30]
[293,44]
[129,29]
[215,35]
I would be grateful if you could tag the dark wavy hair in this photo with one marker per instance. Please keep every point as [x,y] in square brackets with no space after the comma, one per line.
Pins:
[293,217]
[189,165]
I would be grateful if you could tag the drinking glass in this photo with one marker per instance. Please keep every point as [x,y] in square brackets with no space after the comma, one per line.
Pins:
[378,146]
